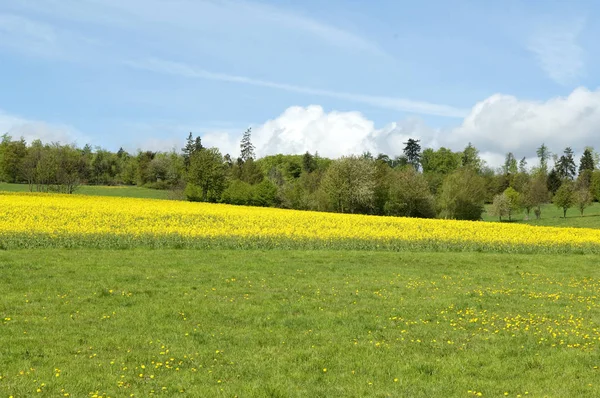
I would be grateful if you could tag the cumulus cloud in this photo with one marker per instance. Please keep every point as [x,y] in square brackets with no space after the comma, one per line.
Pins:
[497,125]
[503,123]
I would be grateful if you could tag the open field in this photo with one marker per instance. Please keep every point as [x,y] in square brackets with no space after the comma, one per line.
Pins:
[76,221]
[97,190]
[298,323]
[553,216]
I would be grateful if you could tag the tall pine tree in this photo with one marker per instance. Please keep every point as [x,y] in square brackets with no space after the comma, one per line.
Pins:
[412,151]
[566,165]
[587,161]
[246,147]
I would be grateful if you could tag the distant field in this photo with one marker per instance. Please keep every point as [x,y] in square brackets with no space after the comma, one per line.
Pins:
[125,191]
[78,221]
[298,324]
[553,216]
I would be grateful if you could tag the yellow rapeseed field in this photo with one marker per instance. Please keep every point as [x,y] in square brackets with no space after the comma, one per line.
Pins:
[38,220]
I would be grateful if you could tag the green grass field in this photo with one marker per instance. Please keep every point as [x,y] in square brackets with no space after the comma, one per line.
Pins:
[552,216]
[297,323]
[120,190]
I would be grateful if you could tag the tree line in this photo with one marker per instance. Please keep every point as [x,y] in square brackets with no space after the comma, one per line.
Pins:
[419,183]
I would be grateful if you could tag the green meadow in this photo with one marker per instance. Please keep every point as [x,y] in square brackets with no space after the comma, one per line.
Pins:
[249,323]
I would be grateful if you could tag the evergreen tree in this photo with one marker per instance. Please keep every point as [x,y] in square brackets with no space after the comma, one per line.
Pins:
[246,147]
[470,158]
[510,164]
[188,150]
[566,165]
[523,166]
[587,161]
[197,145]
[553,181]
[309,163]
[412,151]
[543,154]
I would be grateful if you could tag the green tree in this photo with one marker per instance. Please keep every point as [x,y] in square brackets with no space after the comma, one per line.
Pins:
[566,165]
[565,197]
[462,195]
[12,154]
[510,164]
[143,170]
[409,195]
[595,185]
[250,172]
[238,193]
[587,161]
[246,147]
[553,181]
[412,151]
[309,163]
[586,168]
[583,199]
[470,158]
[514,201]
[264,194]
[543,155]
[442,161]
[349,184]
[207,172]
[523,166]
[535,194]
[500,206]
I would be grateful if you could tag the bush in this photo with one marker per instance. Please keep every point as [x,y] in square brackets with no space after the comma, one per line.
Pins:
[237,193]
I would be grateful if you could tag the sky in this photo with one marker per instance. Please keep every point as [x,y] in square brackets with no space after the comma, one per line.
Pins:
[336,77]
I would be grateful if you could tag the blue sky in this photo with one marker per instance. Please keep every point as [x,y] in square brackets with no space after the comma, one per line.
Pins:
[336,76]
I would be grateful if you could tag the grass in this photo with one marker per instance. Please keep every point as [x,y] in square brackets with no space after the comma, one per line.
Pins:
[552,216]
[297,323]
[99,190]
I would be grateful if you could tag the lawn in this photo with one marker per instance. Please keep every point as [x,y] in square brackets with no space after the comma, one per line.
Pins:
[99,190]
[297,323]
[552,216]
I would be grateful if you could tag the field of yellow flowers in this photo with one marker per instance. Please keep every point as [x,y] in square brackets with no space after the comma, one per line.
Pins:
[46,220]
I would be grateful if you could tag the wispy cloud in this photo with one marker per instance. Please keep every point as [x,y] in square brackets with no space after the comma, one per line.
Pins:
[213,17]
[555,44]
[25,35]
[397,104]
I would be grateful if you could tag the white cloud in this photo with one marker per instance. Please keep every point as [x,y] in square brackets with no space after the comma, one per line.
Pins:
[331,134]
[503,123]
[497,125]
[555,44]
[30,130]
[397,104]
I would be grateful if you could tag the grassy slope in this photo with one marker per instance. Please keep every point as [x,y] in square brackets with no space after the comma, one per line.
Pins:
[126,191]
[552,216]
[293,323]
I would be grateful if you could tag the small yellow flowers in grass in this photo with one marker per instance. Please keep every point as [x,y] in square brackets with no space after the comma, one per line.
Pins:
[324,370]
